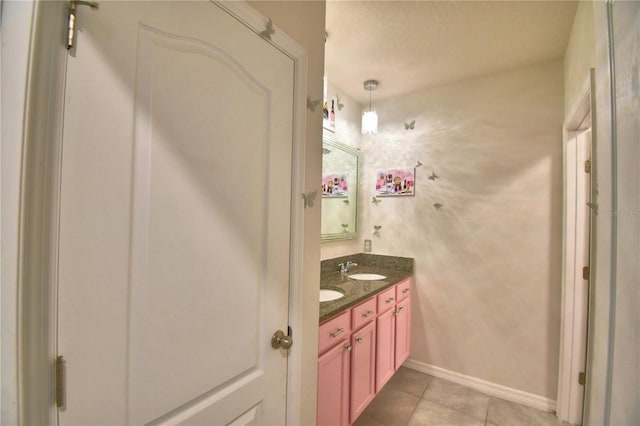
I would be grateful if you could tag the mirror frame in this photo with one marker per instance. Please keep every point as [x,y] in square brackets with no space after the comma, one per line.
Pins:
[328,138]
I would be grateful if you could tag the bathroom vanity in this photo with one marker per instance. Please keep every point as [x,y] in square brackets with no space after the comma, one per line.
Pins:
[364,335]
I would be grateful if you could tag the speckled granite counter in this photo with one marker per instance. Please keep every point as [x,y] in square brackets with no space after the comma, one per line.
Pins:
[395,269]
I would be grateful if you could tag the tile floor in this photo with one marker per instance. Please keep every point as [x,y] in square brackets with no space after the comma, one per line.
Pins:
[413,398]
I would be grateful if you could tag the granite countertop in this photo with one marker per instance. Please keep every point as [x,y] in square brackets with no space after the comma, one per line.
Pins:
[395,269]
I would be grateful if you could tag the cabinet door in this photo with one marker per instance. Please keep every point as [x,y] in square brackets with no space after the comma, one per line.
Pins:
[333,385]
[403,331]
[385,345]
[363,368]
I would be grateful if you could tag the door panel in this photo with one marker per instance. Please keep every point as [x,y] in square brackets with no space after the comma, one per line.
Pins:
[175,218]
[363,369]
[333,386]
[403,332]
[385,348]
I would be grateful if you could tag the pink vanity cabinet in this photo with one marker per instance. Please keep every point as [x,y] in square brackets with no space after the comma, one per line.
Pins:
[403,323]
[393,328]
[359,351]
[363,369]
[385,347]
[334,370]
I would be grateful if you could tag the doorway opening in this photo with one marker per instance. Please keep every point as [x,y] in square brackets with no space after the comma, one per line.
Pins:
[579,206]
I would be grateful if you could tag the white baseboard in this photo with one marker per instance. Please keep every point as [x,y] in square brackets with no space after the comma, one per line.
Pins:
[493,389]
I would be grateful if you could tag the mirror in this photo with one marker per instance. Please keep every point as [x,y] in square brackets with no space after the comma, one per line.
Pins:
[340,184]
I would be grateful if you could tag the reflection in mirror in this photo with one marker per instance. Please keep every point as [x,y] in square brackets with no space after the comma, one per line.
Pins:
[340,182]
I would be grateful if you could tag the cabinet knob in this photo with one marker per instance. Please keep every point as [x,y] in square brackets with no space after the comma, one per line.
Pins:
[348,347]
[358,339]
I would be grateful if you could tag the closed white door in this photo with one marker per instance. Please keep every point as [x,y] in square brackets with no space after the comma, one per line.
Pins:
[175,218]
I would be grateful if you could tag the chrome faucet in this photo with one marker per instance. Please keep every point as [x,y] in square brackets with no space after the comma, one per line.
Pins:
[344,267]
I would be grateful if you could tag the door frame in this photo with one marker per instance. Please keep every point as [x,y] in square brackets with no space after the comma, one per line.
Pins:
[573,319]
[40,196]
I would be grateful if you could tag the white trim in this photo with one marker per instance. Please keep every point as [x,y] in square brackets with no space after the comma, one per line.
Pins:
[573,318]
[39,215]
[489,388]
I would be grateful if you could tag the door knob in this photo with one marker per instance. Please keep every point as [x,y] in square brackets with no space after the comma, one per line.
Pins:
[281,340]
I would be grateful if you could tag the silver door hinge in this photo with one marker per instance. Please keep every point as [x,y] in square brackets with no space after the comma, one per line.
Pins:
[587,166]
[60,381]
[582,378]
[71,19]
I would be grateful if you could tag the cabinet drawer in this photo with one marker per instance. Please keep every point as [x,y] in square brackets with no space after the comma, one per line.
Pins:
[386,300]
[363,313]
[403,289]
[334,330]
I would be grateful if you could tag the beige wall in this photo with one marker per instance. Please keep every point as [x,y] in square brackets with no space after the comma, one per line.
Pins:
[613,355]
[303,21]
[488,263]
[625,336]
[579,56]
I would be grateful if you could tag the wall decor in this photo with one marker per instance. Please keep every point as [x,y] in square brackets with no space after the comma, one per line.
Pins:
[395,182]
[309,198]
[312,105]
[335,185]
[338,102]
[410,126]
[268,30]
[433,176]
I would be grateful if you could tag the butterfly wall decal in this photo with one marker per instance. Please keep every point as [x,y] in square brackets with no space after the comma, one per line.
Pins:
[268,31]
[419,163]
[437,206]
[433,176]
[410,126]
[310,198]
[375,201]
[312,105]
[340,104]
[376,230]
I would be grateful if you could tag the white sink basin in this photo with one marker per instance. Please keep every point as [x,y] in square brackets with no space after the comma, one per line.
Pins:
[327,295]
[367,277]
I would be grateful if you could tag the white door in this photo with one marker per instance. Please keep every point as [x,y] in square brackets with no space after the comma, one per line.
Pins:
[576,293]
[175,218]
[582,252]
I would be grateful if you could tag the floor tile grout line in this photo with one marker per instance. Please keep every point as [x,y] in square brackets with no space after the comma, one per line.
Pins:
[455,409]
[415,407]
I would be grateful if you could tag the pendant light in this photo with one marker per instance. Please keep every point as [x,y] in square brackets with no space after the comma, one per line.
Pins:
[370,117]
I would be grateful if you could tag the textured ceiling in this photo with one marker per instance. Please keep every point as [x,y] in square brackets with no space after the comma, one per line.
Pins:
[411,45]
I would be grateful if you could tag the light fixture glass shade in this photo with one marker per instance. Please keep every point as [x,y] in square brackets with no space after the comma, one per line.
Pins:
[369,122]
